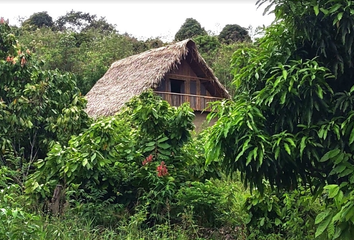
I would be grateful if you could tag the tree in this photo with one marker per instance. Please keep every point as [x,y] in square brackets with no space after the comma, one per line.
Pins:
[37,107]
[74,21]
[220,63]
[88,54]
[82,22]
[218,56]
[292,120]
[207,44]
[38,20]
[233,33]
[189,29]
[101,25]
[153,43]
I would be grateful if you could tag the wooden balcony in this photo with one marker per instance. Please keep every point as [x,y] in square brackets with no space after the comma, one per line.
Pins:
[197,102]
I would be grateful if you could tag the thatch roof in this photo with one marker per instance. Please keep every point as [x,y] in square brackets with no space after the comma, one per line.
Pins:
[133,75]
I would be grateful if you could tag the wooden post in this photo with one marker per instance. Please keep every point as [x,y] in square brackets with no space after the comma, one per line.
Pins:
[57,201]
[198,94]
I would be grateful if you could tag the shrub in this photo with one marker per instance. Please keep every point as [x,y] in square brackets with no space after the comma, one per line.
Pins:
[133,158]
[290,215]
[15,221]
[204,200]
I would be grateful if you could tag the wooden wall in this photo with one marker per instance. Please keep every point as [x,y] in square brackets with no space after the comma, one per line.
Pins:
[193,92]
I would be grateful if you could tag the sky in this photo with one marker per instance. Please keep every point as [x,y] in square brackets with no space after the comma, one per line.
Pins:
[147,19]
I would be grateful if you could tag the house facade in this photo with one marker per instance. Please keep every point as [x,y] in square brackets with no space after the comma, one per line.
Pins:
[184,85]
[176,72]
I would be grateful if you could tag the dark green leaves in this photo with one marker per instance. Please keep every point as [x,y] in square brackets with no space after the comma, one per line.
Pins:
[330,154]
[299,77]
[190,28]
[37,107]
[316,9]
[323,219]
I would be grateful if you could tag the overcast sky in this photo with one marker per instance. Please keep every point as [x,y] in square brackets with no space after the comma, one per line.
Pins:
[147,19]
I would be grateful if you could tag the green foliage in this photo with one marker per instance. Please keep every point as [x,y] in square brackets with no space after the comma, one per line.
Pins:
[87,54]
[290,215]
[133,156]
[212,204]
[139,174]
[222,66]
[82,22]
[161,120]
[323,29]
[281,101]
[18,224]
[82,44]
[15,221]
[291,121]
[38,20]
[207,44]
[336,221]
[218,56]
[233,33]
[153,43]
[37,107]
[190,28]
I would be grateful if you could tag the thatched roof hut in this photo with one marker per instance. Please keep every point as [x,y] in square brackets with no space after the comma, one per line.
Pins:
[133,75]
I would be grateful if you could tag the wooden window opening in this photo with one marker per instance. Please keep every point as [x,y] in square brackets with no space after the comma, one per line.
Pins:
[177,86]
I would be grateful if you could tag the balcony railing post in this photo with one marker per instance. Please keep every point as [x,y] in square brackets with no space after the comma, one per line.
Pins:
[197,102]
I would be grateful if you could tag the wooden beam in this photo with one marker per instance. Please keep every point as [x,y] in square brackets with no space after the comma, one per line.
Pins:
[189,95]
[185,77]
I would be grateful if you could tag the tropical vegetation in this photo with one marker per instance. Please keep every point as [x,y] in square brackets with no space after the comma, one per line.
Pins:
[277,164]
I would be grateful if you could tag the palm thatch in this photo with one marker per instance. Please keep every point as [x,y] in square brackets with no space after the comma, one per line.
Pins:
[131,76]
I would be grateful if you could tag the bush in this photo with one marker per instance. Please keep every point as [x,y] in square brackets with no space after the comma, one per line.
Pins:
[15,221]
[133,158]
[290,215]
[213,204]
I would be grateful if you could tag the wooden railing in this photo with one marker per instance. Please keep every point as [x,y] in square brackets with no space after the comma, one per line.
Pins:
[197,102]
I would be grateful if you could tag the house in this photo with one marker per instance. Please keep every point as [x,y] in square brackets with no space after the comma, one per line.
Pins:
[176,72]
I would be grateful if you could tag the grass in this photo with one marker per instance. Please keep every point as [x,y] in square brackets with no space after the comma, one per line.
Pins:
[79,225]
[82,229]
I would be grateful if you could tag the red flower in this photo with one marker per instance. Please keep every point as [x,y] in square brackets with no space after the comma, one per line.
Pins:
[23,61]
[147,160]
[162,170]
[11,59]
